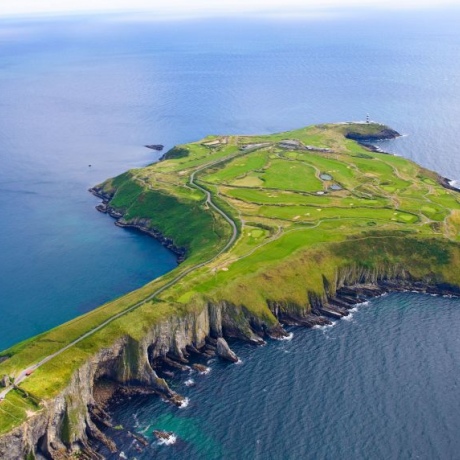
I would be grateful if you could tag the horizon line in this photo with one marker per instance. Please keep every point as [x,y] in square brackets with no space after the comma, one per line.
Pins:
[299,12]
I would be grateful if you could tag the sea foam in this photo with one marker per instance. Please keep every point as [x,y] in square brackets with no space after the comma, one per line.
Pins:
[169,441]
[288,338]
[184,403]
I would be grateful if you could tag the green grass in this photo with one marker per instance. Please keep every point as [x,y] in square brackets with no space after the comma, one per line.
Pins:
[289,175]
[312,214]
[14,409]
[237,168]
[251,195]
[340,171]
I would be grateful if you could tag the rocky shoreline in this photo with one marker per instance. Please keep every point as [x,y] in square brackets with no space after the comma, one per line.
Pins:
[140,224]
[447,183]
[195,358]
[366,141]
[382,135]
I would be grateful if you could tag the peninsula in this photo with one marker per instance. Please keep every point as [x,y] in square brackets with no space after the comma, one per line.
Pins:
[292,228]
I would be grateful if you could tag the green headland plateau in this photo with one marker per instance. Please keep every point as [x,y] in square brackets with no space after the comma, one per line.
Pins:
[288,228]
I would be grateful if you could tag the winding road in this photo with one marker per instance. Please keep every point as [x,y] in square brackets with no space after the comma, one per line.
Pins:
[26,372]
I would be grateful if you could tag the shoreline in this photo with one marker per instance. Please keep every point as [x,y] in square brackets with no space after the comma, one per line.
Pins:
[366,142]
[168,243]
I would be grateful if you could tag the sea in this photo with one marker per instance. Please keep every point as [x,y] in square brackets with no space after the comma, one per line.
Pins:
[80,96]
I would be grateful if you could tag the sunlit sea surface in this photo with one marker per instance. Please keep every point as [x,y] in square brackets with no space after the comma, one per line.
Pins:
[93,91]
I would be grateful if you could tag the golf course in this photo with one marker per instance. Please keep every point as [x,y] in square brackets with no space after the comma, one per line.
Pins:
[268,226]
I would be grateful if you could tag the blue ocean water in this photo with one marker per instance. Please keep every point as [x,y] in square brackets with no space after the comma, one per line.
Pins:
[82,91]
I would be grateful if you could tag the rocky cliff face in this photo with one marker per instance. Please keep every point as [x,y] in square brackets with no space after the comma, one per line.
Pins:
[383,134]
[140,223]
[70,422]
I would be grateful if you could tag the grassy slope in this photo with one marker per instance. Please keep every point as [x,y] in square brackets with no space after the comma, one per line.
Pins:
[295,234]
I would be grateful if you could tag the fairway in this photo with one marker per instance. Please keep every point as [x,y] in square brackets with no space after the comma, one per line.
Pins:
[291,175]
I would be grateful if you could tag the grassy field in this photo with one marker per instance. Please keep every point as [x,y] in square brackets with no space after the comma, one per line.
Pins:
[296,232]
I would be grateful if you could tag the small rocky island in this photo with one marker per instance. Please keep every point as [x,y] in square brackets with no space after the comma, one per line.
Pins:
[158,147]
[288,229]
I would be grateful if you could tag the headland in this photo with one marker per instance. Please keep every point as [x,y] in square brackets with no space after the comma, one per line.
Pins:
[292,228]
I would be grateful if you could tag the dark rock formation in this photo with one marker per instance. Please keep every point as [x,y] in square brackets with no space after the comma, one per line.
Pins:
[277,332]
[165,360]
[177,400]
[371,147]
[383,134]
[447,183]
[211,341]
[331,311]
[224,351]
[158,147]
[140,439]
[163,435]
[366,140]
[193,350]
[4,381]
[296,315]
[200,368]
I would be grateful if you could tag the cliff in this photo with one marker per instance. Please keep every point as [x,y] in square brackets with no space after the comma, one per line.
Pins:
[69,422]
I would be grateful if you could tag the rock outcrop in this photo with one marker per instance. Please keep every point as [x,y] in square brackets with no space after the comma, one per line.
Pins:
[384,134]
[367,139]
[4,381]
[158,147]
[225,352]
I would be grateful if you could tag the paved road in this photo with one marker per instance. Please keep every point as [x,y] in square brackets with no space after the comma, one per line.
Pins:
[23,374]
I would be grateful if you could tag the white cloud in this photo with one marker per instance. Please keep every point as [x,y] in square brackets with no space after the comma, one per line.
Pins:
[203,7]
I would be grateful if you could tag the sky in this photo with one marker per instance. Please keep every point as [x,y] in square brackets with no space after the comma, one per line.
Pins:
[196,8]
